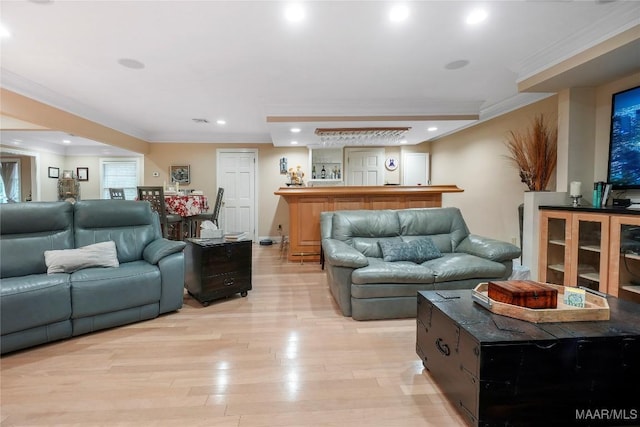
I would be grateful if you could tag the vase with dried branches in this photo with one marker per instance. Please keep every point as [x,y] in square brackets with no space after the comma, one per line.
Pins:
[534,153]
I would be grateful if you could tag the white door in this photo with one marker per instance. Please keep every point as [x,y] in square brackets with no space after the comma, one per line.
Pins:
[365,166]
[415,169]
[237,175]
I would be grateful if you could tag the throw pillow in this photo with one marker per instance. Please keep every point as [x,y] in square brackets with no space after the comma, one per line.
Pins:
[418,251]
[102,254]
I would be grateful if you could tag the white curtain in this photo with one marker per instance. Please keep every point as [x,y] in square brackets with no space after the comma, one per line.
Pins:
[10,182]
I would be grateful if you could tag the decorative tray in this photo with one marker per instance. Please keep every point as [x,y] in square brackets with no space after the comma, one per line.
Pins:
[596,307]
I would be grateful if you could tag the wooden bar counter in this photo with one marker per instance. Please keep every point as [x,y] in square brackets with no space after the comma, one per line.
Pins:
[306,203]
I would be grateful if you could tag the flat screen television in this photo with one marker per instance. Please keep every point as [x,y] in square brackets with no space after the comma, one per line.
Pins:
[624,144]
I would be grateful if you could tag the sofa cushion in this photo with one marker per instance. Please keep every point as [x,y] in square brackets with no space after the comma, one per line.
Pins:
[101,290]
[379,271]
[459,266]
[418,250]
[30,301]
[69,260]
[445,226]
[29,229]
[347,225]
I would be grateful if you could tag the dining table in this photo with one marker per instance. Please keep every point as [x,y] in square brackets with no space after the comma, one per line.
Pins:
[186,205]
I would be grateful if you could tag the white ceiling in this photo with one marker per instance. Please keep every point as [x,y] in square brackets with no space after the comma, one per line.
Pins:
[242,61]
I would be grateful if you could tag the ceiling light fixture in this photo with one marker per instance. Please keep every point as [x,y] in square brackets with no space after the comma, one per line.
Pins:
[295,130]
[134,64]
[4,32]
[294,142]
[454,65]
[476,16]
[432,129]
[361,136]
[66,141]
[294,13]
[221,122]
[399,13]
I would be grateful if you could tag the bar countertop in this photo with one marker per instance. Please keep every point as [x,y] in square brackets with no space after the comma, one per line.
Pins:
[366,190]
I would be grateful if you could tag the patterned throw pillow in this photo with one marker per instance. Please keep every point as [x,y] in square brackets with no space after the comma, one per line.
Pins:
[418,251]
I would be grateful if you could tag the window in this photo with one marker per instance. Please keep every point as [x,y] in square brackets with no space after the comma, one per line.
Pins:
[122,173]
[10,181]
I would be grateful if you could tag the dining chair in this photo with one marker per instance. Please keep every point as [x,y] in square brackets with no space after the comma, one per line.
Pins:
[196,220]
[171,224]
[116,193]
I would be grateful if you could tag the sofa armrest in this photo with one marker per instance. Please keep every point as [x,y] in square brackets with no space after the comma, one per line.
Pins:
[485,247]
[161,248]
[339,254]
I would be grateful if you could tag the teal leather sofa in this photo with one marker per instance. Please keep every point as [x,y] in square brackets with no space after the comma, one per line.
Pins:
[365,286]
[36,307]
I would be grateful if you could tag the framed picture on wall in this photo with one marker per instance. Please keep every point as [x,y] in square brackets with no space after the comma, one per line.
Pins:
[82,174]
[54,172]
[180,174]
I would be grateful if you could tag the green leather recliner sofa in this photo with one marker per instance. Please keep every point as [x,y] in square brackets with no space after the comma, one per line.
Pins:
[366,287]
[36,307]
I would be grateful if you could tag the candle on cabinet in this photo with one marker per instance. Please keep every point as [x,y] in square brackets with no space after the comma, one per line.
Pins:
[575,188]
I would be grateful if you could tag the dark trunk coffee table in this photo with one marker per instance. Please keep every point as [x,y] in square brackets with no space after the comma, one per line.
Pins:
[500,371]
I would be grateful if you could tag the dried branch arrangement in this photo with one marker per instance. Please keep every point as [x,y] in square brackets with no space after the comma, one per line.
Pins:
[534,153]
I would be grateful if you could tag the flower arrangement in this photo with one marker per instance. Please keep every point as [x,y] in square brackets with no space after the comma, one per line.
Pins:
[534,153]
[296,176]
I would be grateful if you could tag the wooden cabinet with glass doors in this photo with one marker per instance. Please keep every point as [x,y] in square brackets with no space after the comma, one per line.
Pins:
[624,261]
[595,248]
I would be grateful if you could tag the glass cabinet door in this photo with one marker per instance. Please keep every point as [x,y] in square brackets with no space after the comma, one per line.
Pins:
[590,238]
[554,247]
[624,266]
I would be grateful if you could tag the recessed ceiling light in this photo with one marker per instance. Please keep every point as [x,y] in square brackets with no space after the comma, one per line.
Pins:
[294,13]
[476,16]
[399,13]
[454,65]
[294,142]
[66,141]
[131,63]
[295,130]
[221,122]
[403,141]
[432,129]
[4,32]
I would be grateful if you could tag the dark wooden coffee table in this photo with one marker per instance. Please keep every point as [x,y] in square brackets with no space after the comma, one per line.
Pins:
[502,371]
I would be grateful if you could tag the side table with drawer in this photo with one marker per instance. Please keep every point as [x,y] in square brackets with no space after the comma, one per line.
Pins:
[215,268]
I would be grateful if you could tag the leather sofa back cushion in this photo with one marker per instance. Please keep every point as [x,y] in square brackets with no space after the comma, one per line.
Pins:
[29,229]
[418,251]
[67,261]
[348,225]
[132,225]
[445,223]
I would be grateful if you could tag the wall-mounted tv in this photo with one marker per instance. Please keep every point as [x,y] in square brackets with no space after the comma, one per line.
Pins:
[624,145]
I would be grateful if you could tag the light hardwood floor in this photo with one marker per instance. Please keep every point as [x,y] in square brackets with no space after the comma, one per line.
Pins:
[283,356]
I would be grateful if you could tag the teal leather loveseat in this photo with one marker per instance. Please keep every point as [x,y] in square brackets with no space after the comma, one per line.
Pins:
[37,307]
[377,260]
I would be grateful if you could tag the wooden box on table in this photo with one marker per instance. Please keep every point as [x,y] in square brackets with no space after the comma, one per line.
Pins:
[524,293]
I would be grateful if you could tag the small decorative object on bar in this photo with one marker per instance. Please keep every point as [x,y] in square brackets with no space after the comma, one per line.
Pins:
[575,192]
[283,166]
[67,174]
[180,174]
[82,174]
[295,176]
[54,172]
[534,153]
